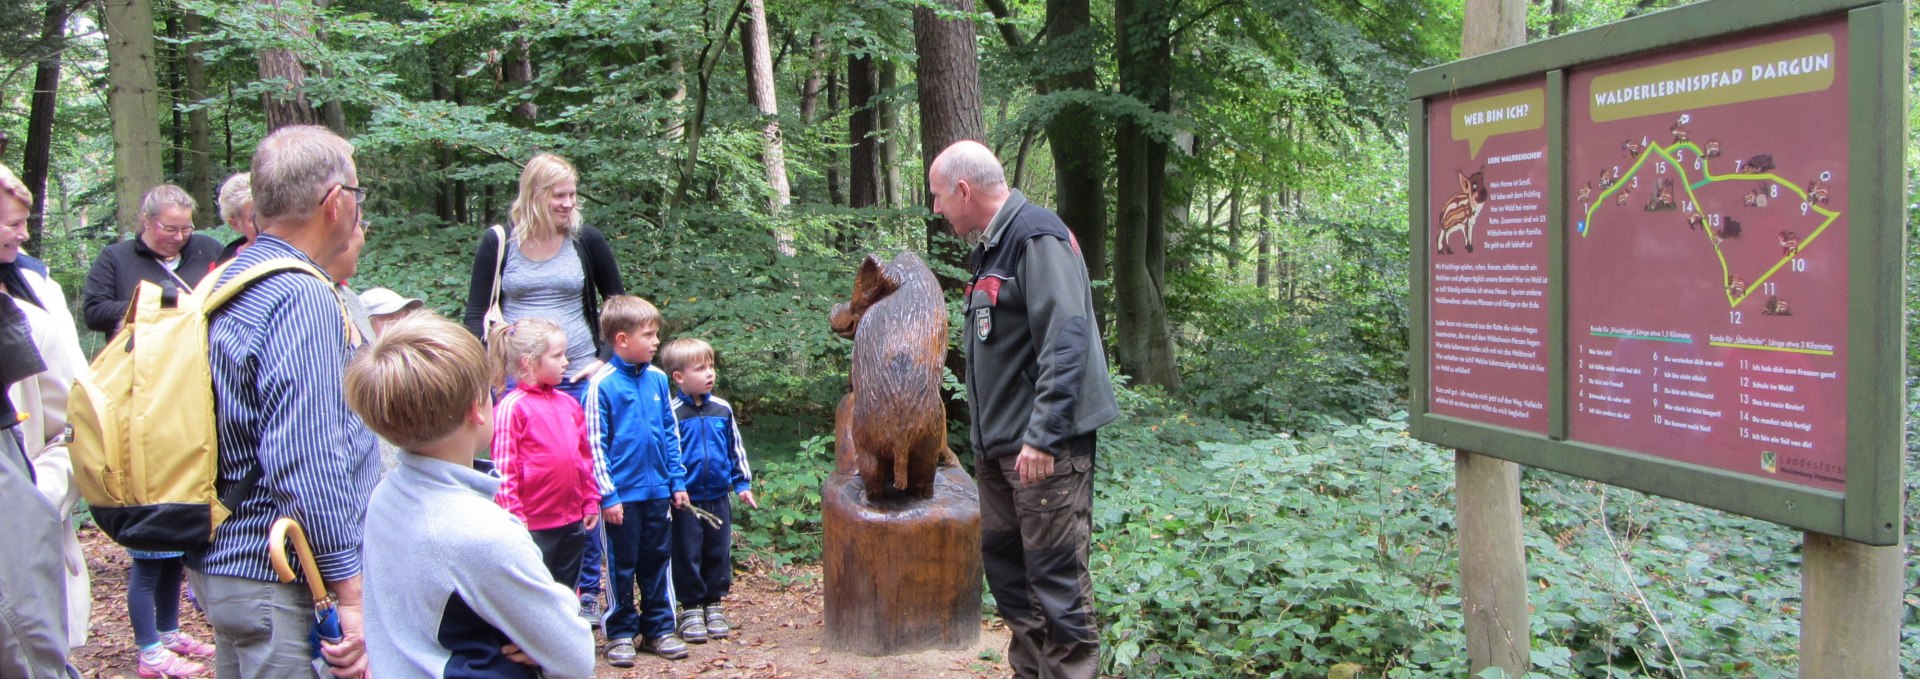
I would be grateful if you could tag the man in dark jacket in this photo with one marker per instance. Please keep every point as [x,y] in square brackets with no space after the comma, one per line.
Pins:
[1038,389]
[164,250]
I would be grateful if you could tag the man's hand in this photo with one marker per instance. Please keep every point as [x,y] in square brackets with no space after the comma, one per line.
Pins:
[747,497]
[349,657]
[513,652]
[590,522]
[680,499]
[1033,465]
[614,515]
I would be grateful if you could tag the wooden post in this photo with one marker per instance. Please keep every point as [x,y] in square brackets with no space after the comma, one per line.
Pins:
[1493,561]
[1850,626]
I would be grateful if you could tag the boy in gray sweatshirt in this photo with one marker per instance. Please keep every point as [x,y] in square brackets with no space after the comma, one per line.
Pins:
[454,585]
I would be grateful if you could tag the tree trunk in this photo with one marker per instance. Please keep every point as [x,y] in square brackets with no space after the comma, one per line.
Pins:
[289,105]
[175,87]
[36,163]
[949,95]
[1263,262]
[836,194]
[1144,333]
[332,114]
[760,92]
[810,90]
[863,127]
[199,137]
[889,141]
[1079,151]
[520,82]
[133,105]
[1234,254]
[677,66]
[443,192]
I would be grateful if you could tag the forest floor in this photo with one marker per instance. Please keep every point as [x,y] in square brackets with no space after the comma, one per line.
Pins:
[778,632]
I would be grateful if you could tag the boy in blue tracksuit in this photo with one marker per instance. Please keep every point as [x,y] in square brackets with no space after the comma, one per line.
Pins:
[716,466]
[636,455]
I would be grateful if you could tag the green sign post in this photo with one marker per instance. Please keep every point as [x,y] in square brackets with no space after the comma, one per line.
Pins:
[1666,255]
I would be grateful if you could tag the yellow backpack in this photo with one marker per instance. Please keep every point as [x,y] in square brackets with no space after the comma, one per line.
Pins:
[146,448]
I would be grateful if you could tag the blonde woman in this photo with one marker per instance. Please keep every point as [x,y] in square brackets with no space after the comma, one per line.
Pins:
[551,266]
[236,209]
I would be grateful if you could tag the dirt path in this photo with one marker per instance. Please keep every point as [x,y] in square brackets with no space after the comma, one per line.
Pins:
[776,616]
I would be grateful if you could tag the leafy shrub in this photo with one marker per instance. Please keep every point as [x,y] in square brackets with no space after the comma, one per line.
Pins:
[786,527]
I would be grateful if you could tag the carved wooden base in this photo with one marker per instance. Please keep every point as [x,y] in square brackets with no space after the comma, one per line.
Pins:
[905,576]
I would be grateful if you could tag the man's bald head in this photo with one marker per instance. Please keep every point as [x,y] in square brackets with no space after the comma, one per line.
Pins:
[968,187]
[971,162]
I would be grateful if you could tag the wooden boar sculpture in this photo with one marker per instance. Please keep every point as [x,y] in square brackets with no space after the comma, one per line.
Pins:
[899,518]
[898,324]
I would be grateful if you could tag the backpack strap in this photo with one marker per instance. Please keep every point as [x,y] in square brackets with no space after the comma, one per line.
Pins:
[219,293]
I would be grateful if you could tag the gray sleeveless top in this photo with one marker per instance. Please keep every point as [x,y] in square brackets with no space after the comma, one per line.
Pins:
[550,289]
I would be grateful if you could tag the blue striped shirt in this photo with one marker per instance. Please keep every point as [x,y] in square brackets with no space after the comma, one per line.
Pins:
[279,351]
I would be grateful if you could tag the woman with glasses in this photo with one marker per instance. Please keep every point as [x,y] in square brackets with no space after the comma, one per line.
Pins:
[165,250]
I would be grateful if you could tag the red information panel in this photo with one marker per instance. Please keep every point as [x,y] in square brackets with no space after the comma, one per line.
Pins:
[1487,263]
[1707,254]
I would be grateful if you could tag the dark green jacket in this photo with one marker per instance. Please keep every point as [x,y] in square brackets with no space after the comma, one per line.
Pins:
[1036,373]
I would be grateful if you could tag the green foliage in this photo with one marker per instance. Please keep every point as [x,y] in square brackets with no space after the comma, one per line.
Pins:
[786,527]
[1226,550]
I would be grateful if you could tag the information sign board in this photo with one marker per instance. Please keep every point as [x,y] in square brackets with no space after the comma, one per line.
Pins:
[1665,254]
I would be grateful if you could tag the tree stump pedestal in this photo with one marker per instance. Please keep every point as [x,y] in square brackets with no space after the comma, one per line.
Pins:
[901,576]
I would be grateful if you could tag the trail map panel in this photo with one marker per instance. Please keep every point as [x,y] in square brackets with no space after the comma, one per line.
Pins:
[1487,255]
[1707,254]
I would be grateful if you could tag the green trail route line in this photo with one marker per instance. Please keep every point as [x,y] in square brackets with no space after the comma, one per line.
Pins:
[1706,169]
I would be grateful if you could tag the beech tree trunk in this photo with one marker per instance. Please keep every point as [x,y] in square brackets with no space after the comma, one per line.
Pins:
[199,139]
[1079,151]
[36,163]
[892,191]
[1144,333]
[836,192]
[810,90]
[133,105]
[760,92]
[288,105]
[949,95]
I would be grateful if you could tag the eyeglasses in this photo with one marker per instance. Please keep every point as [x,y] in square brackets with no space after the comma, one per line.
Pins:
[359,196]
[359,193]
[173,230]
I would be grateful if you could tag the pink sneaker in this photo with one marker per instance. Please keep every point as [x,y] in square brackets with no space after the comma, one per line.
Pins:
[187,646]
[166,664]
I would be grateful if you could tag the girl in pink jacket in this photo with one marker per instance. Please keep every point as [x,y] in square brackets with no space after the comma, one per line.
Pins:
[540,447]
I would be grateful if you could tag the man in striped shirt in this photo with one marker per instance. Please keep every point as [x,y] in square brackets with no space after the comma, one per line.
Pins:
[278,351]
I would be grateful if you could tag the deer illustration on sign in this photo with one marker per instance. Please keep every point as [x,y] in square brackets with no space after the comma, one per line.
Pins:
[1462,211]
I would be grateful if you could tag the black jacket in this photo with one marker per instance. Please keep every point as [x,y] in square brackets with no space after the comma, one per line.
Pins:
[1036,373]
[120,268]
[596,258]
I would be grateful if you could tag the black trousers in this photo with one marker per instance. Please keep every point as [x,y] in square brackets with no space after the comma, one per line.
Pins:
[703,554]
[1033,546]
[560,549]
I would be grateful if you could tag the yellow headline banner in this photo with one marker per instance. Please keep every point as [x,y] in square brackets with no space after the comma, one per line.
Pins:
[1476,120]
[1776,69]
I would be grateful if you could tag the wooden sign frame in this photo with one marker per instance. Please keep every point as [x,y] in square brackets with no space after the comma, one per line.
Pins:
[1868,510]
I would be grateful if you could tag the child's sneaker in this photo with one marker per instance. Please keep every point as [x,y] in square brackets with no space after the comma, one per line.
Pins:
[590,611]
[666,646]
[717,627]
[161,662]
[186,646]
[620,653]
[693,626]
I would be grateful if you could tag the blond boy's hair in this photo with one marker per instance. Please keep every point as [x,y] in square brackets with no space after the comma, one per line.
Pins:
[685,353]
[418,380]
[627,313]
